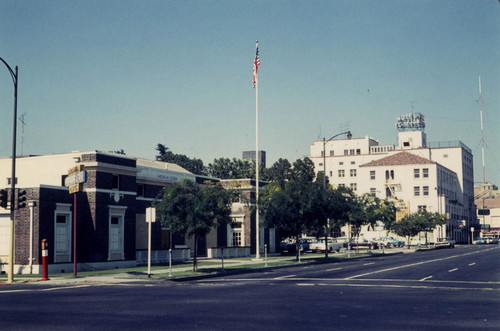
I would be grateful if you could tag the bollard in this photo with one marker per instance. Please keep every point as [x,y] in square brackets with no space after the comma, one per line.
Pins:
[45,258]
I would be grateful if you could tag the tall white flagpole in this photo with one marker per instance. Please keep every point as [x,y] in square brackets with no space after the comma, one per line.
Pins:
[257,163]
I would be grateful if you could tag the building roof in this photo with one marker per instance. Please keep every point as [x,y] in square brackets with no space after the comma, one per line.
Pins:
[487,203]
[403,158]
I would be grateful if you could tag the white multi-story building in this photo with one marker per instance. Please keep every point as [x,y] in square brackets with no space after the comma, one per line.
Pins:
[417,175]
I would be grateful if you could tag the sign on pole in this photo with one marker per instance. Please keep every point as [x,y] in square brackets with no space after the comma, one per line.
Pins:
[76,177]
[150,218]
[150,214]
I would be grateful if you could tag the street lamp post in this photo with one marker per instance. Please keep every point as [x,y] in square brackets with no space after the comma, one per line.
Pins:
[14,75]
[349,136]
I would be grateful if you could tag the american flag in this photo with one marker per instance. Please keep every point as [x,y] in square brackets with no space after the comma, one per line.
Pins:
[256,64]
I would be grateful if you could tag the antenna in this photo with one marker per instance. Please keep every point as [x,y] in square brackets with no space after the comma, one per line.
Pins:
[482,135]
[23,124]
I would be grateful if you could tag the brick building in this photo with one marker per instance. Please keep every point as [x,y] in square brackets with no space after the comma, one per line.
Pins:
[110,211]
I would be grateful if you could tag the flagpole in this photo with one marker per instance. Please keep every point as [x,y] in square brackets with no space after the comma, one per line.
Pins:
[257,163]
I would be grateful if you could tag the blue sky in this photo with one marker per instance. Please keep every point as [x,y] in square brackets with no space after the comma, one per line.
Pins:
[113,75]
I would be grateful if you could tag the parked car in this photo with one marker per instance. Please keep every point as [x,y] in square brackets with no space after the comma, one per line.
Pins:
[289,245]
[361,243]
[390,242]
[444,243]
[491,240]
[480,241]
[319,245]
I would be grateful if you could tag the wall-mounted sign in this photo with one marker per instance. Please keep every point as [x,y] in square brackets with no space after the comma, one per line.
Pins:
[411,122]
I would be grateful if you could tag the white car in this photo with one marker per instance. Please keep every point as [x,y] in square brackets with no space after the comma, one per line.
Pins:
[319,245]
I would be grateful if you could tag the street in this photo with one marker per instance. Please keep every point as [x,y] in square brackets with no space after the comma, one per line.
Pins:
[445,289]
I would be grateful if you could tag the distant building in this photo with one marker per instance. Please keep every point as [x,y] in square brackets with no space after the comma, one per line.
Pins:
[487,200]
[250,157]
[437,177]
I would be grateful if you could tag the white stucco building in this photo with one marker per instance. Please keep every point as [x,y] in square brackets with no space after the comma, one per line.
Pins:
[415,174]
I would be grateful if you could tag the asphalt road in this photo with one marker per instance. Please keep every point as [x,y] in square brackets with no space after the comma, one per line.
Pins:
[448,289]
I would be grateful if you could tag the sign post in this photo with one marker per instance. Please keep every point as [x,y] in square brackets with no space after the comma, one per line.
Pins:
[150,218]
[76,177]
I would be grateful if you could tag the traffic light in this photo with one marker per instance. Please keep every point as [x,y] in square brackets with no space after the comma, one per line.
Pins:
[4,197]
[21,198]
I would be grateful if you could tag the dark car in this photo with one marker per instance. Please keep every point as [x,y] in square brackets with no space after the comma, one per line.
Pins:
[361,243]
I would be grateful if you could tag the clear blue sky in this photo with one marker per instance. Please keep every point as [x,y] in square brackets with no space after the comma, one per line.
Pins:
[113,75]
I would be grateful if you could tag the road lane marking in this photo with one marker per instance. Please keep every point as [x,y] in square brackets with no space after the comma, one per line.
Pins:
[415,264]
[283,277]
[327,270]
[471,264]
[425,278]
[369,263]
[451,270]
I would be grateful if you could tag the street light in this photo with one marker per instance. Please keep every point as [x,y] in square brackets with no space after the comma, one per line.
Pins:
[349,136]
[14,76]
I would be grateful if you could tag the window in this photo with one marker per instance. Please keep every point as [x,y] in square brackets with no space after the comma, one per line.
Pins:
[353,162]
[373,191]
[372,174]
[235,232]
[416,191]
[425,190]
[320,164]
[423,208]
[341,163]
[322,153]
[425,172]
[358,151]
[341,173]
[116,182]
[140,190]
[331,153]
[346,152]
[351,152]
[354,186]
[352,172]
[331,173]
[416,173]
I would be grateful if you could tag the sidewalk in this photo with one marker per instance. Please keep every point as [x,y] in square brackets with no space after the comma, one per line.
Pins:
[272,263]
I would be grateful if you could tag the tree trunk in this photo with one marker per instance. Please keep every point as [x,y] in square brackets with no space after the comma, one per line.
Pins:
[195,254]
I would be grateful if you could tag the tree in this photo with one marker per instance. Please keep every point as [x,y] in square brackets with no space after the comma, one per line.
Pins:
[194,210]
[408,227]
[290,206]
[225,168]
[192,165]
[303,170]
[280,171]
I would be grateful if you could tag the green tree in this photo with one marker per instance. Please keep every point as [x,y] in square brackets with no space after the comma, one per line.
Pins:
[192,165]
[408,227]
[290,206]
[280,171]
[429,221]
[303,170]
[387,214]
[194,210]
[225,168]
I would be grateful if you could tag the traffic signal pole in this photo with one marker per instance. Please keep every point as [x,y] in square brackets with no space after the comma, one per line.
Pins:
[14,76]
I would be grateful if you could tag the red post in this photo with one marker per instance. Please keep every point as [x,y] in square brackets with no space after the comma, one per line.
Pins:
[45,262]
[74,236]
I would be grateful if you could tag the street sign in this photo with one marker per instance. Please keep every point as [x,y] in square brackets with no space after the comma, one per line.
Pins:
[150,214]
[76,177]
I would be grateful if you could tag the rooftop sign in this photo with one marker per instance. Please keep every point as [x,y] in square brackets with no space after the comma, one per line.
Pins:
[411,122]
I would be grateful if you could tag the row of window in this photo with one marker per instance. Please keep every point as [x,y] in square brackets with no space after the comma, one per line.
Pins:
[351,151]
[417,190]
[425,173]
